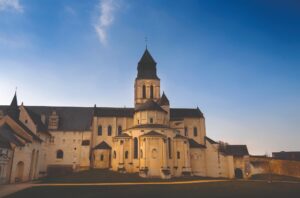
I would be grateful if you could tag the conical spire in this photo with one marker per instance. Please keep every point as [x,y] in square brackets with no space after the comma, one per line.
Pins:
[13,110]
[164,100]
[147,67]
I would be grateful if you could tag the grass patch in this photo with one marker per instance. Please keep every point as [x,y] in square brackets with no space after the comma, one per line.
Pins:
[101,176]
[231,189]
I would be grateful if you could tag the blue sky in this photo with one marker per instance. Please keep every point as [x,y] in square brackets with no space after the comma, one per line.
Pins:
[239,61]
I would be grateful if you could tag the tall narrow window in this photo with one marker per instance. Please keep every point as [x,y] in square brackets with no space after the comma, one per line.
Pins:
[109,130]
[100,130]
[126,154]
[195,131]
[59,154]
[115,155]
[135,147]
[101,157]
[151,92]
[178,155]
[144,91]
[170,148]
[185,131]
[151,120]
[119,130]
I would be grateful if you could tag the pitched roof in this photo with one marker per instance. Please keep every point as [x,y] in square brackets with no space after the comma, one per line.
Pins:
[235,150]
[41,127]
[113,112]
[7,135]
[32,134]
[144,126]
[103,145]
[149,105]
[287,155]
[153,134]
[163,100]
[70,118]
[180,113]
[13,110]
[4,143]
[210,140]
[194,144]
[178,136]
[147,67]
[123,135]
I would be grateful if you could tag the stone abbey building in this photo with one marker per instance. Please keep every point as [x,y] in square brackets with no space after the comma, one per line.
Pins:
[152,138]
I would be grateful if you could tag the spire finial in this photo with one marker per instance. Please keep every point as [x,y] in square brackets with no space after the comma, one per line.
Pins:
[16,90]
[146,41]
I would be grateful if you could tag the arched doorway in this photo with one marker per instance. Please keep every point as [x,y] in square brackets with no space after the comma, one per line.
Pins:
[238,173]
[19,171]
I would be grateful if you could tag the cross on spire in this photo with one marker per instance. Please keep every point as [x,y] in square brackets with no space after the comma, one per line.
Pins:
[146,41]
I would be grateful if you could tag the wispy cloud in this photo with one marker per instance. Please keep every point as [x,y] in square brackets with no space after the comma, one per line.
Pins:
[11,5]
[105,19]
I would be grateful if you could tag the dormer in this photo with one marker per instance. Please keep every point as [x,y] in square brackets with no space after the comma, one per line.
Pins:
[53,121]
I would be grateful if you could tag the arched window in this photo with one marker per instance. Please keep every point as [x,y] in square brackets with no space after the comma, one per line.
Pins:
[59,154]
[109,130]
[101,157]
[195,131]
[119,130]
[170,148]
[135,147]
[178,155]
[99,130]
[126,154]
[185,131]
[144,91]
[115,155]
[151,92]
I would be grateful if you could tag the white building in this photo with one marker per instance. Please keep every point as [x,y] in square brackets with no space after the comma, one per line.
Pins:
[152,138]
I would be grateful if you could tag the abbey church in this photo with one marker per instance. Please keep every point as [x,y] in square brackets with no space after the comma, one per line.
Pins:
[153,138]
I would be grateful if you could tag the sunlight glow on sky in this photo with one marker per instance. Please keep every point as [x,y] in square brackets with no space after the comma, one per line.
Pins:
[239,61]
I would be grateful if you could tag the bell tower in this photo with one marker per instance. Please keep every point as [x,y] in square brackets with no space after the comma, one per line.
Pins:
[147,84]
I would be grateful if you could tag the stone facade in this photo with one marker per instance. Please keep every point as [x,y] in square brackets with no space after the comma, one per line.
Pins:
[152,138]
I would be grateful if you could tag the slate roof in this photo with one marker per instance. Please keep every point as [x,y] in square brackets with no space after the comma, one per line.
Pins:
[4,143]
[178,136]
[287,155]
[123,135]
[164,100]
[8,135]
[13,110]
[41,127]
[80,118]
[113,112]
[147,67]
[180,113]
[141,126]
[149,105]
[210,140]
[70,118]
[194,144]
[235,150]
[153,134]
[103,145]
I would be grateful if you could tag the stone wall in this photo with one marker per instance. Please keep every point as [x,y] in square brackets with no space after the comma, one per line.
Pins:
[274,166]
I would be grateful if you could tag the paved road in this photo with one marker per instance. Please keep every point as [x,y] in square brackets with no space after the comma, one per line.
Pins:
[12,188]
